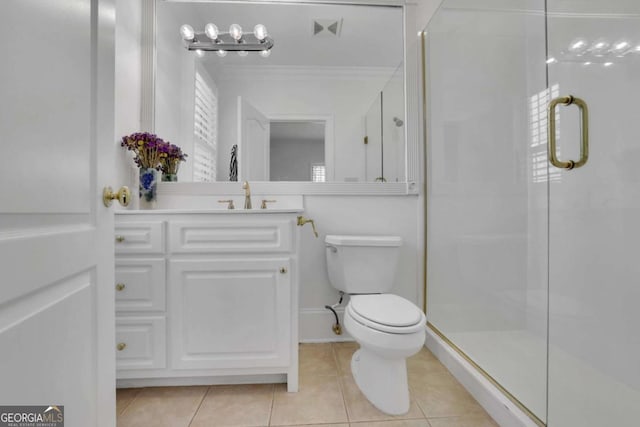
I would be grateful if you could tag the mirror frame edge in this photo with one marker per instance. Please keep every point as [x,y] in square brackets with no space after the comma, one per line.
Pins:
[412,162]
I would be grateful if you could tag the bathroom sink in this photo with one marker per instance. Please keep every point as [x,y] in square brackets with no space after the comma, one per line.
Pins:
[212,204]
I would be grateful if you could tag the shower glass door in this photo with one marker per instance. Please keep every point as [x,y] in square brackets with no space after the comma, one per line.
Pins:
[594,217]
[487,189]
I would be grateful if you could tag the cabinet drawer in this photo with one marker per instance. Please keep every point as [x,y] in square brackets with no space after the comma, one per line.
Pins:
[141,342]
[140,285]
[139,237]
[264,236]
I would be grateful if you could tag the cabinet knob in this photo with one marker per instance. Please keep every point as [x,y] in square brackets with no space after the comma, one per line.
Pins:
[120,287]
[119,239]
[283,270]
[121,346]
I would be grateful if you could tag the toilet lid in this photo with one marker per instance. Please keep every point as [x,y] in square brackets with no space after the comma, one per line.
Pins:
[386,309]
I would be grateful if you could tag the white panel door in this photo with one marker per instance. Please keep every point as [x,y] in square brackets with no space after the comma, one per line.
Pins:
[253,142]
[56,239]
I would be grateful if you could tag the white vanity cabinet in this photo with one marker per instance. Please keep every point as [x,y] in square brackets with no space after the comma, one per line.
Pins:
[140,295]
[214,302]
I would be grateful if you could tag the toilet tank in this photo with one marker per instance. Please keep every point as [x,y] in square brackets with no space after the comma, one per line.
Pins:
[362,264]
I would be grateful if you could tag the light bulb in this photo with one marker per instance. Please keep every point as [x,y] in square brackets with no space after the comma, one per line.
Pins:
[551,60]
[578,45]
[599,47]
[211,31]
[260,31]
[243,53]
[265,53]
[200,53]
[236,31]
[187,33]
[620,46]
[221,53]
[608,64]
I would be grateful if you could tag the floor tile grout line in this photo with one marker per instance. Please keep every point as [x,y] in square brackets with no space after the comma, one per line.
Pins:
[340,385]
[204,396]
[273,401]
[128,404]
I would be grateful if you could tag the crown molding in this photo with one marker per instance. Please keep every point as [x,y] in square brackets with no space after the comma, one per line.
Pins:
[274,72]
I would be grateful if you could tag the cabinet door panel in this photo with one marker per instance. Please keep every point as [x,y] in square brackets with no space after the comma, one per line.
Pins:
[230,313]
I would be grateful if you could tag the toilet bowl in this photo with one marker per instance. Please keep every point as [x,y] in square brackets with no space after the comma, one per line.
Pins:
[388,327]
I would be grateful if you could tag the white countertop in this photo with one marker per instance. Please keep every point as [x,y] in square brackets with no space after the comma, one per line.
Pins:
[209,211]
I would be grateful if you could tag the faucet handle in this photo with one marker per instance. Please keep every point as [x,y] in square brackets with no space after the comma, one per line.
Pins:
[230,202]
[263,205]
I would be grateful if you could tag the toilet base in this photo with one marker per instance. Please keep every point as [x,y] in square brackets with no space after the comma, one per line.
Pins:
[382,381]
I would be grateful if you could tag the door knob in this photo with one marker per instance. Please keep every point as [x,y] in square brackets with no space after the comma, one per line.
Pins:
[123,195]
[121,346]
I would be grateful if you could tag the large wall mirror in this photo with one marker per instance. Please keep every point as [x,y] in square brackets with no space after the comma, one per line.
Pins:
[327,104]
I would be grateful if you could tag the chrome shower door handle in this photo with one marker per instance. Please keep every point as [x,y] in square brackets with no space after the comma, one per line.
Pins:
[551,137]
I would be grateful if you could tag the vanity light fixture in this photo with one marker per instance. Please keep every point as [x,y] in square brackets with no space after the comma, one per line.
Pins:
[235,40]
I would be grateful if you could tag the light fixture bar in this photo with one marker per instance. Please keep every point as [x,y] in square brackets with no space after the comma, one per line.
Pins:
[232,41]
[227,43]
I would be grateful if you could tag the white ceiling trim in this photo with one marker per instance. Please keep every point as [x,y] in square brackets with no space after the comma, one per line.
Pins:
[243,72]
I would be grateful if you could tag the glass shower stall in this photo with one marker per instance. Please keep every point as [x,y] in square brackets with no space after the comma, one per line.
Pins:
[533,200]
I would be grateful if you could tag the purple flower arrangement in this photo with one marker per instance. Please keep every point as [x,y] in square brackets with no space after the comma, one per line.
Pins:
[150,151]
[170,159]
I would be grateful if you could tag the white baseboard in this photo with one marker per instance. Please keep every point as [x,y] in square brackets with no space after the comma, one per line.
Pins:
[187,381]
[502,410]
[316,325]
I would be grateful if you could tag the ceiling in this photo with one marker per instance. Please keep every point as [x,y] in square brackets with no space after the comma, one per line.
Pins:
[370,36]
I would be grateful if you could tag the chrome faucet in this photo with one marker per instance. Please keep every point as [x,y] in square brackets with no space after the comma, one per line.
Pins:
[247,195]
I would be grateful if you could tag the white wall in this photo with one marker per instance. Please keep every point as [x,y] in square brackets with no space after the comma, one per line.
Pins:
[127,88]
[424,10]
[174,95]
[393,106]
[291,160]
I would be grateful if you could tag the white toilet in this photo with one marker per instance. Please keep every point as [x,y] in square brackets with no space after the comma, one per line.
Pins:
[388,328]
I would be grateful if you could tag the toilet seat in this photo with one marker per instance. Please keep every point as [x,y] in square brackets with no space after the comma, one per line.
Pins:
[386,313]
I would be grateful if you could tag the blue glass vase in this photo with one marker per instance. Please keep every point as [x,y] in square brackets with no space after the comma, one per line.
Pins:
[148,188]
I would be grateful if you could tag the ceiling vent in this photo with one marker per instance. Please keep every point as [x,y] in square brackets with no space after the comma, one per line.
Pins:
[327,27]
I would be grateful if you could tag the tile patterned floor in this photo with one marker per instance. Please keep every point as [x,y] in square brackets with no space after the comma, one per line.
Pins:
[328,397]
